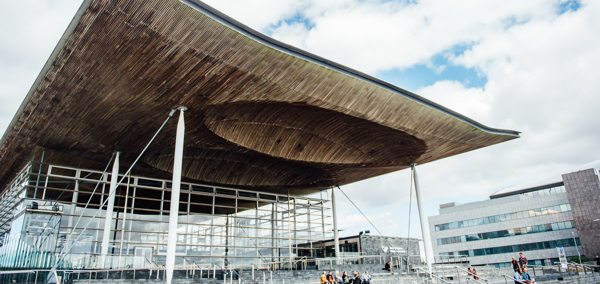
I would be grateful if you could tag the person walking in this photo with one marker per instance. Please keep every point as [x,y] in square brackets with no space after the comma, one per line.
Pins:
[514,264]
[522,261]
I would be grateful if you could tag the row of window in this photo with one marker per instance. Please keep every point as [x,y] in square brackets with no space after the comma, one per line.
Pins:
[538,262]
[514,249]
[505,217]
[507,233]
[546,191]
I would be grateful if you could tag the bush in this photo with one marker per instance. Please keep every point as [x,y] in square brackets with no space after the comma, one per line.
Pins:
[576,259]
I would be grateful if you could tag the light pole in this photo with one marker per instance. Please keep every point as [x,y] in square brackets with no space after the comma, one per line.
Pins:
[574,240]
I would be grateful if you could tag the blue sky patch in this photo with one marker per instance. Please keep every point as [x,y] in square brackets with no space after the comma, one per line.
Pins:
[421,75]
[568,6]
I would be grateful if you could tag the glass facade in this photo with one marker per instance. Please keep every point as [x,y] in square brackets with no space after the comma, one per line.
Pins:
[505,217]
[538,262]
[546,191]
[217,226]
[515,248]
[508,233]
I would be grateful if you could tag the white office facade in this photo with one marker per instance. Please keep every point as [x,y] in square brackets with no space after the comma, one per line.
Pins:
[534,220]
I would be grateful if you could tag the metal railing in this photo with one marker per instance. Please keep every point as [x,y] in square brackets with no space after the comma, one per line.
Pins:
[431,275]
[359,259]
[506,277]
[35,272]
[584,267]
[469,274]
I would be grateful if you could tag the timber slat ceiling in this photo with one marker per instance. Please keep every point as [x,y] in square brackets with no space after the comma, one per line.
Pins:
[258,117]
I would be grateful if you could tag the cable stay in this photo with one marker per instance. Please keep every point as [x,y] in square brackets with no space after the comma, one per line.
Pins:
[373,225]
[63,255]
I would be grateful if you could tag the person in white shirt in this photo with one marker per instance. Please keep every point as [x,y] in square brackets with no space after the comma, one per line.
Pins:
[366,278]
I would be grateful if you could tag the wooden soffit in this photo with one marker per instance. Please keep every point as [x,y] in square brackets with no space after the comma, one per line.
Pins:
[261,114]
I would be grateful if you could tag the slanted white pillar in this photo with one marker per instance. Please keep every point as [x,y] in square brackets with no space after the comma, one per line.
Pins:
[424,223]
[109,210]
[175,189]
[336,239]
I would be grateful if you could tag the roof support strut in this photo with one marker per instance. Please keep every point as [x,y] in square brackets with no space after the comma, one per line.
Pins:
[424,223]
[109,210]
[175,189]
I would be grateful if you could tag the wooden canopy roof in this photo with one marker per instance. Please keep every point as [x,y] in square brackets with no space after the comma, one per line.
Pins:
[261,114]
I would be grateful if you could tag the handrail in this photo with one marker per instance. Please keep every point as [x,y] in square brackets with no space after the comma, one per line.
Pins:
[54,272]
[433,275]
[469,272]
[302,259]
[230,269]
[511,278]
[577,264]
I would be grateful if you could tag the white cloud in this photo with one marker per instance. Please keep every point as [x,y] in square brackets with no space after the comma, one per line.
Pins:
[472,102]
[541,67]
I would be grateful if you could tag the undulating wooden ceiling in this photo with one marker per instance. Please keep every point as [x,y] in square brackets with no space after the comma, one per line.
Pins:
[261,114]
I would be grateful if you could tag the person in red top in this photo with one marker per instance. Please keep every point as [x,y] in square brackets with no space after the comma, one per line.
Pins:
[522,260]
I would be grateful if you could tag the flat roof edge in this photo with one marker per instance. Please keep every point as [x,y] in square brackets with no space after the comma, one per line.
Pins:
[57,49]
[525,190]
[283,47]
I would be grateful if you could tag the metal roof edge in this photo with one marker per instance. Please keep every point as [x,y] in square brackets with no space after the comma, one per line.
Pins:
[528,189]
[283,47]
[57,49]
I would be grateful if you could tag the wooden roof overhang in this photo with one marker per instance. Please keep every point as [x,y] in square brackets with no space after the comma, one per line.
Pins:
[261,114]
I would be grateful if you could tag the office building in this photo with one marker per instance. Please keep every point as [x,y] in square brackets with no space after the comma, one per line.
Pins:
[534,219]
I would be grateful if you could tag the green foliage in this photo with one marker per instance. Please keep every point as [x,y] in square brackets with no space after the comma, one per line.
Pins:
[576,259]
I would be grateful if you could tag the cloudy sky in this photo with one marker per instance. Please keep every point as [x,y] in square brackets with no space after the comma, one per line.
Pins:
[531,66]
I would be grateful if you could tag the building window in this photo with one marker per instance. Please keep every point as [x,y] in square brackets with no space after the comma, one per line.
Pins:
[505,217]
[513,249]
[508,233]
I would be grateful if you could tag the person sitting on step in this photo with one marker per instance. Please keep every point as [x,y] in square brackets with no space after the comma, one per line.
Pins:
[345,277]
[518,277]
[330,279]
[527,278]
[388,267]
[366,278]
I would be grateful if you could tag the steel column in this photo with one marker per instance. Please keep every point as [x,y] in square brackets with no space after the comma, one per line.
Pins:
[175,189]
[336,240]
[424,223]
[74,203]
[109,210]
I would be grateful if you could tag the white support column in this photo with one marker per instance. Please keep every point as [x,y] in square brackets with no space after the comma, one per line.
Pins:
[74,203]
[424,223]
[109,210]
[175,189]
[336,239]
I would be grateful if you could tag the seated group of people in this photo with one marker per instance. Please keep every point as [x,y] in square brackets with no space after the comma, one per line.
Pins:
[473,273]
[520,267]
[523,276]
[329,278]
